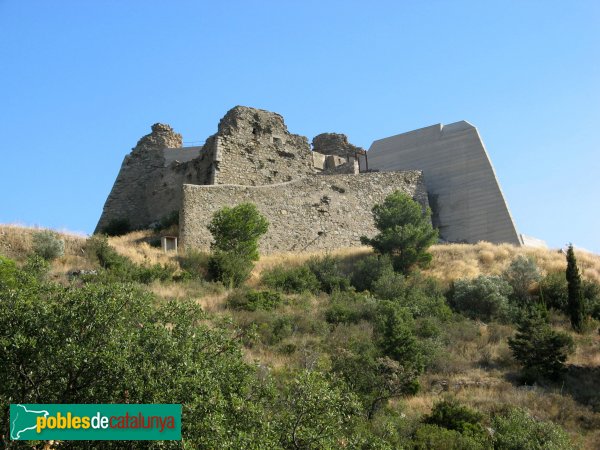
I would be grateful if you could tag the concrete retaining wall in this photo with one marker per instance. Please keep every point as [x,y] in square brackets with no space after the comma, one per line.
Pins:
[465,195]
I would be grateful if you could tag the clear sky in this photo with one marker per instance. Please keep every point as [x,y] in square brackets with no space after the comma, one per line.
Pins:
[82,81]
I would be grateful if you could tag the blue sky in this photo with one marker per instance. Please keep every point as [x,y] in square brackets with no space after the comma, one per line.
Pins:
[81,82]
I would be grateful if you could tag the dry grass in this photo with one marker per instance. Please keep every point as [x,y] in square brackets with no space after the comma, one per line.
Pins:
[452,261]
[16,241]
[290,259]
[134,247]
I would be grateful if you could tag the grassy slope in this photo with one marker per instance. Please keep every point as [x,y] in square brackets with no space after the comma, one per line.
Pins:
[475,365]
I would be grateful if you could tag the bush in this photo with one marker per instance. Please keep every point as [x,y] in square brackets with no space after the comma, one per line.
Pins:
[591,293]
[368,270]
[517,430]
[433,437]
[553,291]
[350,307]
[120,268]
[48,245]
[484,298]
[405,231]
[313,413]
[230,268]
[237,230]
[293,280]
[117,227]
[250,300]
[329,274]
[195,263]
[37,266]
[452,415]
[9,274]
[395,335]
[521,274]
[421,296]
[110,343]
[541,350]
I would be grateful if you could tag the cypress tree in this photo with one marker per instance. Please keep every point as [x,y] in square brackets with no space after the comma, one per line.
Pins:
[575,298]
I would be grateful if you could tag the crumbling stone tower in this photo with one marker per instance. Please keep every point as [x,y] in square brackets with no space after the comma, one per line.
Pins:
[251,147]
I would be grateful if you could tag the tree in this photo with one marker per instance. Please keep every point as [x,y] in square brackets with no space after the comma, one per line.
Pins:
[313,413]
[575,306]
[541,350]
[48,245]
[236,232]
[405,231]
[484,297]
[517,430]
[112,343]
[521,274]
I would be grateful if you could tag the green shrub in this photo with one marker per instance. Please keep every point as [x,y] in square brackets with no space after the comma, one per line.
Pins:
[48,245]
[452,415]
[99,250]
[117,227]
[484,298]
[553,291]
[329,273]
[541,351]
[591,293]
[313,413]
[274,329]
[522,274]
[291,280]
[517,430]
[350,307]
[389,286]
[120,268]
[375,379]
[421,296]
[237,230]
[433,437]
[37,266]
[230,268]
[111,343]
[250,300]
[405,231]
[395,336]
[368,270]
[195,263]
[9,273]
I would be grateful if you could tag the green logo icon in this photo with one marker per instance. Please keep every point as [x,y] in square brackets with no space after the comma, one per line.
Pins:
[95,422]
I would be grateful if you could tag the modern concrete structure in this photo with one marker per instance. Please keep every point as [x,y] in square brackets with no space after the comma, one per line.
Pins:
[464,193]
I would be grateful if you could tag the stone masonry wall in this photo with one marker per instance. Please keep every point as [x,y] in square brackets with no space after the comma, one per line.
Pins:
[147,188]
[253,147]
[316,212]
[335,144]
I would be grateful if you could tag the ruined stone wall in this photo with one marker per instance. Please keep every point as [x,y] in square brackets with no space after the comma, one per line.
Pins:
[148,186]
[335,144]
[253,147]
[316,212]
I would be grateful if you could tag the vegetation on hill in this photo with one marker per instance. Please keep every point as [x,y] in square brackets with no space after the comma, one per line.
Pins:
[340,350]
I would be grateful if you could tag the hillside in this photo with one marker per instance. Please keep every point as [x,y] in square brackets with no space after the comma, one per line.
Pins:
[286,331]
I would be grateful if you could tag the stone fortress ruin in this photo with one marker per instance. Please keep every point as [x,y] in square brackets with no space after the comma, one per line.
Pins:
[314,198]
